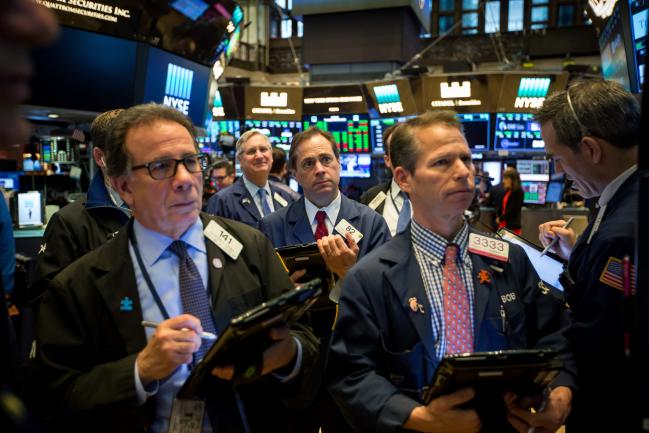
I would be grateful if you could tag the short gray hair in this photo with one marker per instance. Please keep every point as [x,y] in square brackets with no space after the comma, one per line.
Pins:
[404,147]
[602,109]
[118,160]
[247,136]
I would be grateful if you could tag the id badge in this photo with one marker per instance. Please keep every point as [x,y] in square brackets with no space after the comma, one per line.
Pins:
[187,416]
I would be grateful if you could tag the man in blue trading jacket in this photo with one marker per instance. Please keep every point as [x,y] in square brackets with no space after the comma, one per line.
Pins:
[314,159]
[84,225]
[174,265]
[252,196]
[592,132]
[429,292]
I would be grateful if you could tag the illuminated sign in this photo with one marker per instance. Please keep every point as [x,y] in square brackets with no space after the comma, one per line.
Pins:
[274,99]
[455,89]
[333,100]
[273,103]
[602,8]
[532,92]
[178,88]
[388,99]
[217,106]
[89,9]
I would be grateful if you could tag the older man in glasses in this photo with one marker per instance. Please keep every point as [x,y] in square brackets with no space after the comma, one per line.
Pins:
[172,265]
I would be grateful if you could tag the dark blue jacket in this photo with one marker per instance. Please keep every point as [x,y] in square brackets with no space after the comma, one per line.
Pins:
[382,353]
[235,202]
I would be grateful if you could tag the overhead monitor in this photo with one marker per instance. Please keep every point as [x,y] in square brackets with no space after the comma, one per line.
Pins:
[392,98]
[613,41]
[461,93]
[30,209]
[639,9]
[517,132]
[533,169]
[10,181]
[356,166]
[377,126]
[279,132]
[534,192]
[476,130]
[351,131]
[554,193]
[333,99]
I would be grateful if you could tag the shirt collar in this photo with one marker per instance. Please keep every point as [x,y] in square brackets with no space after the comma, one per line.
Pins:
[332,209]
[153,244]
[612,187]
[395,189]
[435,245]
[252,188]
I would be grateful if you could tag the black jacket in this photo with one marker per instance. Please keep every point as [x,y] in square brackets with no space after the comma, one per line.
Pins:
[368,196]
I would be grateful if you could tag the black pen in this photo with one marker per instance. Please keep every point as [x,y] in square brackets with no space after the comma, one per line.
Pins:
[204,335]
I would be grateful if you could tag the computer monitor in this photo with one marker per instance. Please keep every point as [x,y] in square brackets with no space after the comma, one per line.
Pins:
[356,165]
[30,209]
[351,131]
[554,193]
[518,132]
[534,192]
[533,169]
[377,126]
[279,132]
[10,181]
[494,168]
[476,130]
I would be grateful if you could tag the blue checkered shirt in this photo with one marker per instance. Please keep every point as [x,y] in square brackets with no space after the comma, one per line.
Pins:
[429,250]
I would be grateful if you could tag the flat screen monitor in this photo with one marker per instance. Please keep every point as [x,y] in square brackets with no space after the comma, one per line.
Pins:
[10,181]
[30,209]
[534,192]
[356,165]
[554,193]
[494,169]
[533,169]
[279,132]
[377,126]
[639,9]
[476,130]
[517,132]
[612,42]
[351,131]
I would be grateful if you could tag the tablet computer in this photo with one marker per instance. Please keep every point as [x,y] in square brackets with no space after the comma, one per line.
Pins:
[549,266]
[306,256]
[247,334]
[523,371]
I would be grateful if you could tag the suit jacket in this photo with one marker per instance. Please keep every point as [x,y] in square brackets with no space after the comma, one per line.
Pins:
[235,202]
[511,214]
[382,353]
[89,334]
[290,226]
[368,196]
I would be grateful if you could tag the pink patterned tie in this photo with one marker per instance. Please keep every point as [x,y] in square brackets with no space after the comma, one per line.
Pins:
[457,313]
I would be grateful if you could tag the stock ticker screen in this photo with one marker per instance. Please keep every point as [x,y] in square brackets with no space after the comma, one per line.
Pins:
[476,130]
[279,132]
[517,132]
[351,131]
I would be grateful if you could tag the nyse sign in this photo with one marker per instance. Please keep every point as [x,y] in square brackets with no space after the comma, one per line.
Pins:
[178,88]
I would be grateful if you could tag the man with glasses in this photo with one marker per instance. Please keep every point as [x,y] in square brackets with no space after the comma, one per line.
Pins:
[222,174]
[174,266]
[252,196]
[592,132]
[321,216]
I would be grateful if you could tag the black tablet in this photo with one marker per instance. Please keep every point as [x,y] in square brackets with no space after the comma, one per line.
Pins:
[246,335]
[306,256]
[526,371]
[549,266]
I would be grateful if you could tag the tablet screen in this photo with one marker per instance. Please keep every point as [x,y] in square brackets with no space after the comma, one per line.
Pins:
[547,267]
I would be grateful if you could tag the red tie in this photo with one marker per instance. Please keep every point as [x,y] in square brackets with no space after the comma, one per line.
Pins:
[457,312]
[321,227]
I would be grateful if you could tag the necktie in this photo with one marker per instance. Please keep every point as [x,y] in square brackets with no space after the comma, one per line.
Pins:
[192,293]
[265,207]
[321,227]
[457,313]
[404,215]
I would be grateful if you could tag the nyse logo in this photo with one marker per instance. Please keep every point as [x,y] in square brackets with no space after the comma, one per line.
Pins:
[178,88]
[388,98]
[455,90]
[217,106]
[532,92]
[274,99]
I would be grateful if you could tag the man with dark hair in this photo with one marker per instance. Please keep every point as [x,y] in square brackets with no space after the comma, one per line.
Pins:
[428,293]
[252,196]
[592,132]
[222,174]
[86,224]
[173,265]
[279,172]
[387,198]
[317,217]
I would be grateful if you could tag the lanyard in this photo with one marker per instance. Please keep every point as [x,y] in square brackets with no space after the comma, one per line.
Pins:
[145,274]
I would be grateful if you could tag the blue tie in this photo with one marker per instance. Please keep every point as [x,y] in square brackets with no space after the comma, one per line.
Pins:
[265,208]
[192,293]
[404,215]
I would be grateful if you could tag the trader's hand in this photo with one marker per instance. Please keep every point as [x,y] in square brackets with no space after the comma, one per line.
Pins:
[173,344]
[567,238]
[337,255]
[443,416]
[548,419]
[279,354]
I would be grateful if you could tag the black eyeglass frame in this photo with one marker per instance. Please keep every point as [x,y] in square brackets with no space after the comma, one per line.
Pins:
[203,161]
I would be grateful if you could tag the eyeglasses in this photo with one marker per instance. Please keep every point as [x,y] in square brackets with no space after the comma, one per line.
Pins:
[166,168]
[308,164]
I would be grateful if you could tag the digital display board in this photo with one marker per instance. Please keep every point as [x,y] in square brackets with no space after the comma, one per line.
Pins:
[351,131]
[355,166]
[638,10]
[223,127]
[461,93]
[273,103]
[377,126]
[534,192]
[392,98]
[279,132]
[58,150]
[524,93]
[333,99]
[533,169]
[612,48]
[517,132]
[476,130]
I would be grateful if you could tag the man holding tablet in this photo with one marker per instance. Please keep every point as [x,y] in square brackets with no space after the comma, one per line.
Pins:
[436,289]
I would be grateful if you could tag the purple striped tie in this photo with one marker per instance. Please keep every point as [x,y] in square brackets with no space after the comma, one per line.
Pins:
[457,312]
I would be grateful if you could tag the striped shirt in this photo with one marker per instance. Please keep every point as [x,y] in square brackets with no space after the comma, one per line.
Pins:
[429,250]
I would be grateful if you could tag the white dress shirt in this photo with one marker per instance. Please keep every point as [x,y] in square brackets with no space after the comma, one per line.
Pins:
[253,190]
[332,210]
